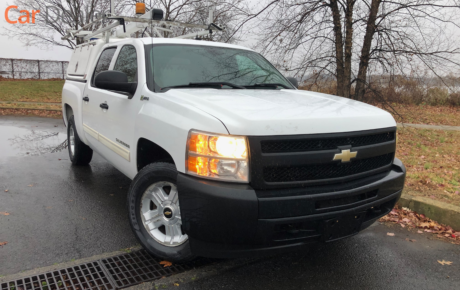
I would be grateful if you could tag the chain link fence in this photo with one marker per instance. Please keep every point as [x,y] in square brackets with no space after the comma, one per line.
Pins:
[32,69]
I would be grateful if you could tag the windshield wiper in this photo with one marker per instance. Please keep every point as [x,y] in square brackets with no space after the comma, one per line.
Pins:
[273,85]
[216,85]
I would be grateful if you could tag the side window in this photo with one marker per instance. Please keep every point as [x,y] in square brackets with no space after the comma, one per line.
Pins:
[127,62]
[104,62]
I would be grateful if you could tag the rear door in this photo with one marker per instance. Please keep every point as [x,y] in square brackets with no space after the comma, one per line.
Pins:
[118,123]
[93,97]
[115,124]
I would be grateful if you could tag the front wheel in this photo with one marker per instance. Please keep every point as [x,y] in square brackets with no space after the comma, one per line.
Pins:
[79,152]
[154,212]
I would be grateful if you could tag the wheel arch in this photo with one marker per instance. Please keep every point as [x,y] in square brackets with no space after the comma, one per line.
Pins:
[68,112]
[148,152]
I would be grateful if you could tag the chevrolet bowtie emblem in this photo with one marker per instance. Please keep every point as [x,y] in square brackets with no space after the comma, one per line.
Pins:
[345,156]
[168,213]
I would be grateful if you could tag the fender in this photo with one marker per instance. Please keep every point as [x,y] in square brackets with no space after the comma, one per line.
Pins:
[167,122]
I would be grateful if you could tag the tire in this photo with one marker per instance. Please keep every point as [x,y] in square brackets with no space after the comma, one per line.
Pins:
[153,216]
[80,154]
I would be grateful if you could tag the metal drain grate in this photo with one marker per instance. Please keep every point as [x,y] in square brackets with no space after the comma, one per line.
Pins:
[86,276]
[139,266]
[107,274]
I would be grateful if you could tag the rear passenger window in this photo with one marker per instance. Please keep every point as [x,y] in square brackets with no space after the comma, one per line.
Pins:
[127,62]
[104,62]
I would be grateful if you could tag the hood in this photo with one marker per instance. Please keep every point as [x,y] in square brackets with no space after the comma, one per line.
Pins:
[283,112]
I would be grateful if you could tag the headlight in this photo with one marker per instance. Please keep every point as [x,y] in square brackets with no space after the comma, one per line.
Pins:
[215,156]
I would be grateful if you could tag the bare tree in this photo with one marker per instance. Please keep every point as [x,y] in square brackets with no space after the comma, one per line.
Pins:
[226,12]
[55,18]
[349,39]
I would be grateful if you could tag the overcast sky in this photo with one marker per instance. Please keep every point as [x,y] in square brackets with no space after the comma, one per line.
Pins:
[12,48]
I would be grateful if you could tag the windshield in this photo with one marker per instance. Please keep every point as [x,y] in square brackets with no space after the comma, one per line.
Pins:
[181,65]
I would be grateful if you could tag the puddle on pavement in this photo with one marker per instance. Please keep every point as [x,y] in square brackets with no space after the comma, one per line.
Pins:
[18,141]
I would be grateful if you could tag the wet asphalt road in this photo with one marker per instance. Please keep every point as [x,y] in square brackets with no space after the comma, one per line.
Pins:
[59,213]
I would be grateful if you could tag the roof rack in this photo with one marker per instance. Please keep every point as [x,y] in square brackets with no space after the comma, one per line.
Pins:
[153,19]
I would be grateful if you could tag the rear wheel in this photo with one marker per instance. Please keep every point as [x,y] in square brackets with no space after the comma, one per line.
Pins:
[154,212]
[79,152]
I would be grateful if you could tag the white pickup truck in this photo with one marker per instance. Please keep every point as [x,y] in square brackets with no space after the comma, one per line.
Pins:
[227,158]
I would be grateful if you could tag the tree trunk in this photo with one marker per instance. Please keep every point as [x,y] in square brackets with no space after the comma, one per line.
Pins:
[365,52]
[338,46]
[348,47]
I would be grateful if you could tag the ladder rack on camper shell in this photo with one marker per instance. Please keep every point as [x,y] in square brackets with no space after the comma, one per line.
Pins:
[152,19]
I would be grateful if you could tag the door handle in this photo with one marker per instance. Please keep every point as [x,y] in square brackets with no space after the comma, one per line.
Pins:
[86,99]
[104,106]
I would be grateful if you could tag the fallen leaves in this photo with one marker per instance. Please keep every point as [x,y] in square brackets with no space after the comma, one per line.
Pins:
[166,264]
[3,243]
[391,234]
[445,262]
[4,213]
[407,218]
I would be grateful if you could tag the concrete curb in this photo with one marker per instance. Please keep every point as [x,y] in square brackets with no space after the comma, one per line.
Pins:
[36,109]
[34,103]
[441,212]
[431,127]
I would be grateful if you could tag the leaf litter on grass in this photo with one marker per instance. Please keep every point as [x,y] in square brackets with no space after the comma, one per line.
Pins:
[432,160]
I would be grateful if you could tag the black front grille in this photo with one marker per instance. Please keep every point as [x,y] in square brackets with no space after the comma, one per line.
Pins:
[302,145]
[307,161]
[324,171]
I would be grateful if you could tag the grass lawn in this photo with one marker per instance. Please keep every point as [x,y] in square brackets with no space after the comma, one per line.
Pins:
[31,91]
[42,91]
[424,114]
[432,159]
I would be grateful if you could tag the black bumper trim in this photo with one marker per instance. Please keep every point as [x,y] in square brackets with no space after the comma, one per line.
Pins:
[224,219]
[216,250]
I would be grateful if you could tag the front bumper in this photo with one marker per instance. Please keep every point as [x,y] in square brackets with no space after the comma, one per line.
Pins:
[227,220]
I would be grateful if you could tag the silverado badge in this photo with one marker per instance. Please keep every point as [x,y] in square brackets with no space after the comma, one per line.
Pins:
[345,156]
